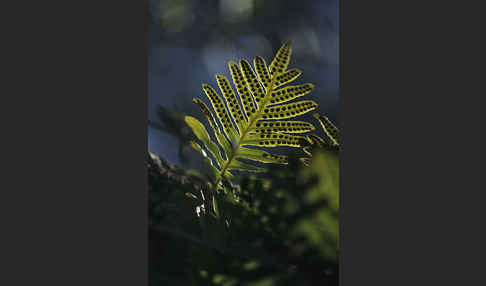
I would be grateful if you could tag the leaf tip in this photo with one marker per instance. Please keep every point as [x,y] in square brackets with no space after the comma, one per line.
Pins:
[258,58]
[188,118]
[244,62]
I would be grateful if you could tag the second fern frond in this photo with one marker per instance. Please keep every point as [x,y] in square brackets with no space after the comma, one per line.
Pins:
[331,141]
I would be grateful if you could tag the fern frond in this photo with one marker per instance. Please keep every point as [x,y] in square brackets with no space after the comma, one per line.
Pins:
[258,122]
[331,130]
[331,141]
[317,141]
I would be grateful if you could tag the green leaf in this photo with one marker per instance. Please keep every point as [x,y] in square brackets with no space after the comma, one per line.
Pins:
[307,150]
[240,166]
[242,88]
[233,105]
[215,205]
[259,119]
[289,110]
[262,71]
[287,77]
[283,126]
[281,60]
[290,92]
[198,148]
[316,140]
[273,140]
[252,82]
[219,136]
[202,134]
[329,128]
[221,111]
[260,156]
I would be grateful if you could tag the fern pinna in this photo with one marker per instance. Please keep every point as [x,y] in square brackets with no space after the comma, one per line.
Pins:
[259,121]
[331,141]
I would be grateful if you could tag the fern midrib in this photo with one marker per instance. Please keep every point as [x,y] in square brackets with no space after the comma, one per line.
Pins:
[245,132]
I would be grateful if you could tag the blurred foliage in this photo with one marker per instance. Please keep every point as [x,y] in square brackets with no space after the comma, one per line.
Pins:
[280,228]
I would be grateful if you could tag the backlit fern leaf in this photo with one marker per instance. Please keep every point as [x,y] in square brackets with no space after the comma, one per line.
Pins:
[331,141]
[254,116]
[331,130]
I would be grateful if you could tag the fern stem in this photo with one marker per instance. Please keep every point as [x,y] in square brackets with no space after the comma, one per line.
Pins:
[245,132]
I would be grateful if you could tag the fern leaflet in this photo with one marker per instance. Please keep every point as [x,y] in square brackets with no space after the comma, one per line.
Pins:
[331,141]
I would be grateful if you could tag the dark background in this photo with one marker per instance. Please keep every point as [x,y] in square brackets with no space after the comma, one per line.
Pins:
[190,41]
